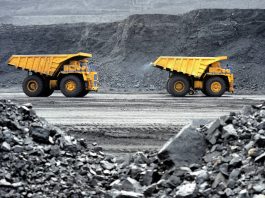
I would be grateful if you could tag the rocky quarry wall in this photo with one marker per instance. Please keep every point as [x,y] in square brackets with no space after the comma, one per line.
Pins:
[123,50]
[224,158]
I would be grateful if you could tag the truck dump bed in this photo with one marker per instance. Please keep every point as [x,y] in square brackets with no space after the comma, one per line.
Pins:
[43,64]
[194,66]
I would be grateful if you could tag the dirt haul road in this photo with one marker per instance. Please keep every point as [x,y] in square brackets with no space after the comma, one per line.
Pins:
[130,122]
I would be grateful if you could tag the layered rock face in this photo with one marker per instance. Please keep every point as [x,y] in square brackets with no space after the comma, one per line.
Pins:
[123,50]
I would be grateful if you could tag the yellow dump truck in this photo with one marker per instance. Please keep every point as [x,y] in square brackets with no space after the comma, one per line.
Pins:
[187,74]
[71,73]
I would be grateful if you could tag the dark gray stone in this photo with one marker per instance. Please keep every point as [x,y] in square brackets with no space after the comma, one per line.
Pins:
[261,125]
[107,165]
[260,140]
[147,177]
[187,147]
[243,194]
[40,134]
[213,138]
[218,179]
[140,158]
[213,131]
[229,192]
[202,177]
[258,188]
[126,194]
[236,161]
[150,190]
[224,120]
[259,196]
[127,184]
[28,105]
[5,146]
[174,181]
[224,169]
[247,110]
[211,156]
[249,145]
[97,149]
[229,131]
[3,182]
[186,189]
[261,157]
[234,174]
[55,151]
[18,148]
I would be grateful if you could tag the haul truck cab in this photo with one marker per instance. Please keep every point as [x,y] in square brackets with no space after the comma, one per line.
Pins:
[68,72]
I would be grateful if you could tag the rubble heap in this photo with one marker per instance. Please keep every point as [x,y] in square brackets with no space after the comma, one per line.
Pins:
[232,164]
[234,161]
[39,160]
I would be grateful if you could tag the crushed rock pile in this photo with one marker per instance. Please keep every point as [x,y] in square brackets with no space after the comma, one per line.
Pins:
[233,165]
[230,160]
[39,160]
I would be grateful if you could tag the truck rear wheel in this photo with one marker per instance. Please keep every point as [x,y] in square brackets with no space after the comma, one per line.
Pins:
[215,86]
[178,86]
[33,86]
[72,86]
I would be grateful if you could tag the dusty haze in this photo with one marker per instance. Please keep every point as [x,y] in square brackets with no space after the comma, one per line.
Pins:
[30,12]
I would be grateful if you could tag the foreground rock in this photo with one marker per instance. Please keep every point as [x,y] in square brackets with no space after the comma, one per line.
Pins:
[187,147]
[39,160]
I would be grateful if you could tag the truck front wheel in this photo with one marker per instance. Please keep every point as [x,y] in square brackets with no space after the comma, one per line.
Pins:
[178,85]
[72,86]
[33,86]
[214,86]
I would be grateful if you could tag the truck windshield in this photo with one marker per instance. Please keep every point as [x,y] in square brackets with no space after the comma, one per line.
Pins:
[91,67]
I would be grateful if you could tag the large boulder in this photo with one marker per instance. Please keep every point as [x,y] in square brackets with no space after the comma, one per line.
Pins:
[187,147]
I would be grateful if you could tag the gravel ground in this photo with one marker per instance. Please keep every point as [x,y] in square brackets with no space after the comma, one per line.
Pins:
[124,123]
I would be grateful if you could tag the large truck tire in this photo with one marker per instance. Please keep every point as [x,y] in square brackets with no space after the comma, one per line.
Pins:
[47,90]
[167,86]
[178,86]
[33,86]
[215,86]
[203,91]
[83,93]
[72,86]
